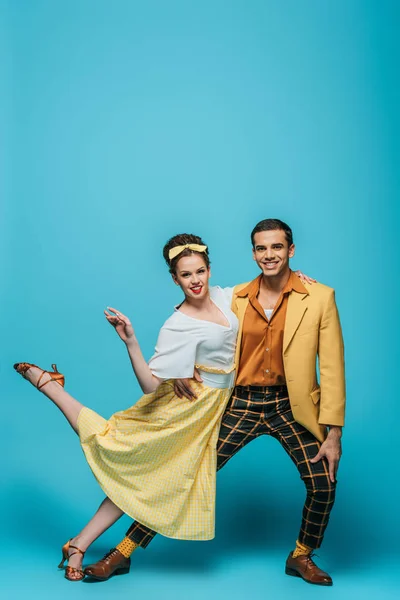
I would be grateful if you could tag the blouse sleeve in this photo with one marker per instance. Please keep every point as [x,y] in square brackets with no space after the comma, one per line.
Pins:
[175,352]
[226,293]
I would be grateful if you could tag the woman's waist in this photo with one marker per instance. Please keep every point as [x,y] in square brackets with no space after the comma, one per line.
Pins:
[217,378]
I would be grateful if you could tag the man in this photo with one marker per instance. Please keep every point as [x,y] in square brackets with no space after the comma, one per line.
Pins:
[284,327]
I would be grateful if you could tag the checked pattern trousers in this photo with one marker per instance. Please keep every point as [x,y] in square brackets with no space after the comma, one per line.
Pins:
[253,411]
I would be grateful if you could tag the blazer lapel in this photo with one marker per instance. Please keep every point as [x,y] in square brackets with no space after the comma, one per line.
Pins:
[239,308]
[297,306]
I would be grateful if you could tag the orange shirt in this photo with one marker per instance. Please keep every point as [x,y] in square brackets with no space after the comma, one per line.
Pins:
[261,360]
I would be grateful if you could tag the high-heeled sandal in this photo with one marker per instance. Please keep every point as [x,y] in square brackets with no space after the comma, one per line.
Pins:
[66,556]
[22,368]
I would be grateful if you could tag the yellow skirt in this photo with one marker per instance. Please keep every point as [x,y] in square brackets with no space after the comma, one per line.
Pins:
[157,460]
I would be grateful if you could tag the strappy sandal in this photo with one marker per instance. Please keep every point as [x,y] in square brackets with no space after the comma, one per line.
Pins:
[71,570]
[22,368]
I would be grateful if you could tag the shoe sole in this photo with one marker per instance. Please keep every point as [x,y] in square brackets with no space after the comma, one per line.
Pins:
[294,573]
[116,572]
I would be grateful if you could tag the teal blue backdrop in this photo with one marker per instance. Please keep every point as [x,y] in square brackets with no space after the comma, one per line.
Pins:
[126,122]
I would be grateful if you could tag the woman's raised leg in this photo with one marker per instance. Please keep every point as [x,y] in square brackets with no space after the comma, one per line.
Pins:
[53,390]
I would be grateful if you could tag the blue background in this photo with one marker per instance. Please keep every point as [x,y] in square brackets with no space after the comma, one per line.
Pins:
[124,123]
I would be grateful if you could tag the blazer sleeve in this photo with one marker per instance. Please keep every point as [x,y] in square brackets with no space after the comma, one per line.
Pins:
[331,366]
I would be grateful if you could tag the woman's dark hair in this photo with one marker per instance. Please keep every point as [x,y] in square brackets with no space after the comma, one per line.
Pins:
[181,240]
[273,225]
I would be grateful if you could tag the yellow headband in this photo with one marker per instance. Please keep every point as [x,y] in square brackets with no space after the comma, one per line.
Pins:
[178,249]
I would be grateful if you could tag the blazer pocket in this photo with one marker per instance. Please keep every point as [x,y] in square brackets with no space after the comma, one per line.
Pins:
[316,395]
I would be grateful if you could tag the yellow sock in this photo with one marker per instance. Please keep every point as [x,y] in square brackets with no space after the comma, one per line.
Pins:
[127,547]
[301,549]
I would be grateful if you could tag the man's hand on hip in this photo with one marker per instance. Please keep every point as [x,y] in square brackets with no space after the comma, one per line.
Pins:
[183,387]
[331,449]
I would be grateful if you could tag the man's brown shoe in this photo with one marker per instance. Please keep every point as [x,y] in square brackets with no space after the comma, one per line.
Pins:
[113,563]
[304,566]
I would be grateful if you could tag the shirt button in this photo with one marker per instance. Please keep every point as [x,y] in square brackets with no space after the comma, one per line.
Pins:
[266,349]
[267,370]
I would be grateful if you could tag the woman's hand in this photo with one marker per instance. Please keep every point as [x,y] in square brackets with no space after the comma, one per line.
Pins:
[305,278]
[121,324]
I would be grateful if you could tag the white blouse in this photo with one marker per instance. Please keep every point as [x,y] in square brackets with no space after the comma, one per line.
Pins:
[184,341]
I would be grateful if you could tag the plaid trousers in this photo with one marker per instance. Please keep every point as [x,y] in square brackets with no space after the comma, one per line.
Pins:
[254,411]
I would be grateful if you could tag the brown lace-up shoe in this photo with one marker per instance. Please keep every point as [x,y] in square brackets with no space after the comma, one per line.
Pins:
[304,566]
[113,563]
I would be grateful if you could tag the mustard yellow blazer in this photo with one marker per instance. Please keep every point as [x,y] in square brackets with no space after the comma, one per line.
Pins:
[312,330]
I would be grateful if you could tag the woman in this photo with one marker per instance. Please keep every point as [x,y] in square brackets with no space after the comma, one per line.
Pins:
[156,461]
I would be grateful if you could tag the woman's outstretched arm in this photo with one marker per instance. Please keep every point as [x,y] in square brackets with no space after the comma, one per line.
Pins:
[122,325]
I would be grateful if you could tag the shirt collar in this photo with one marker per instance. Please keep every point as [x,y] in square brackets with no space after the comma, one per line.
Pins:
[251,289]
[293,284]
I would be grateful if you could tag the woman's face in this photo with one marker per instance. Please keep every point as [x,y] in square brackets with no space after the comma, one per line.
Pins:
[192,276]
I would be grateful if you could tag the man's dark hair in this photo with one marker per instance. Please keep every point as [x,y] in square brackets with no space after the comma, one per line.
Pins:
[273,225]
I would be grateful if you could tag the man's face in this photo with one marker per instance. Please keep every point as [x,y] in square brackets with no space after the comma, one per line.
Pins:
[272,252]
